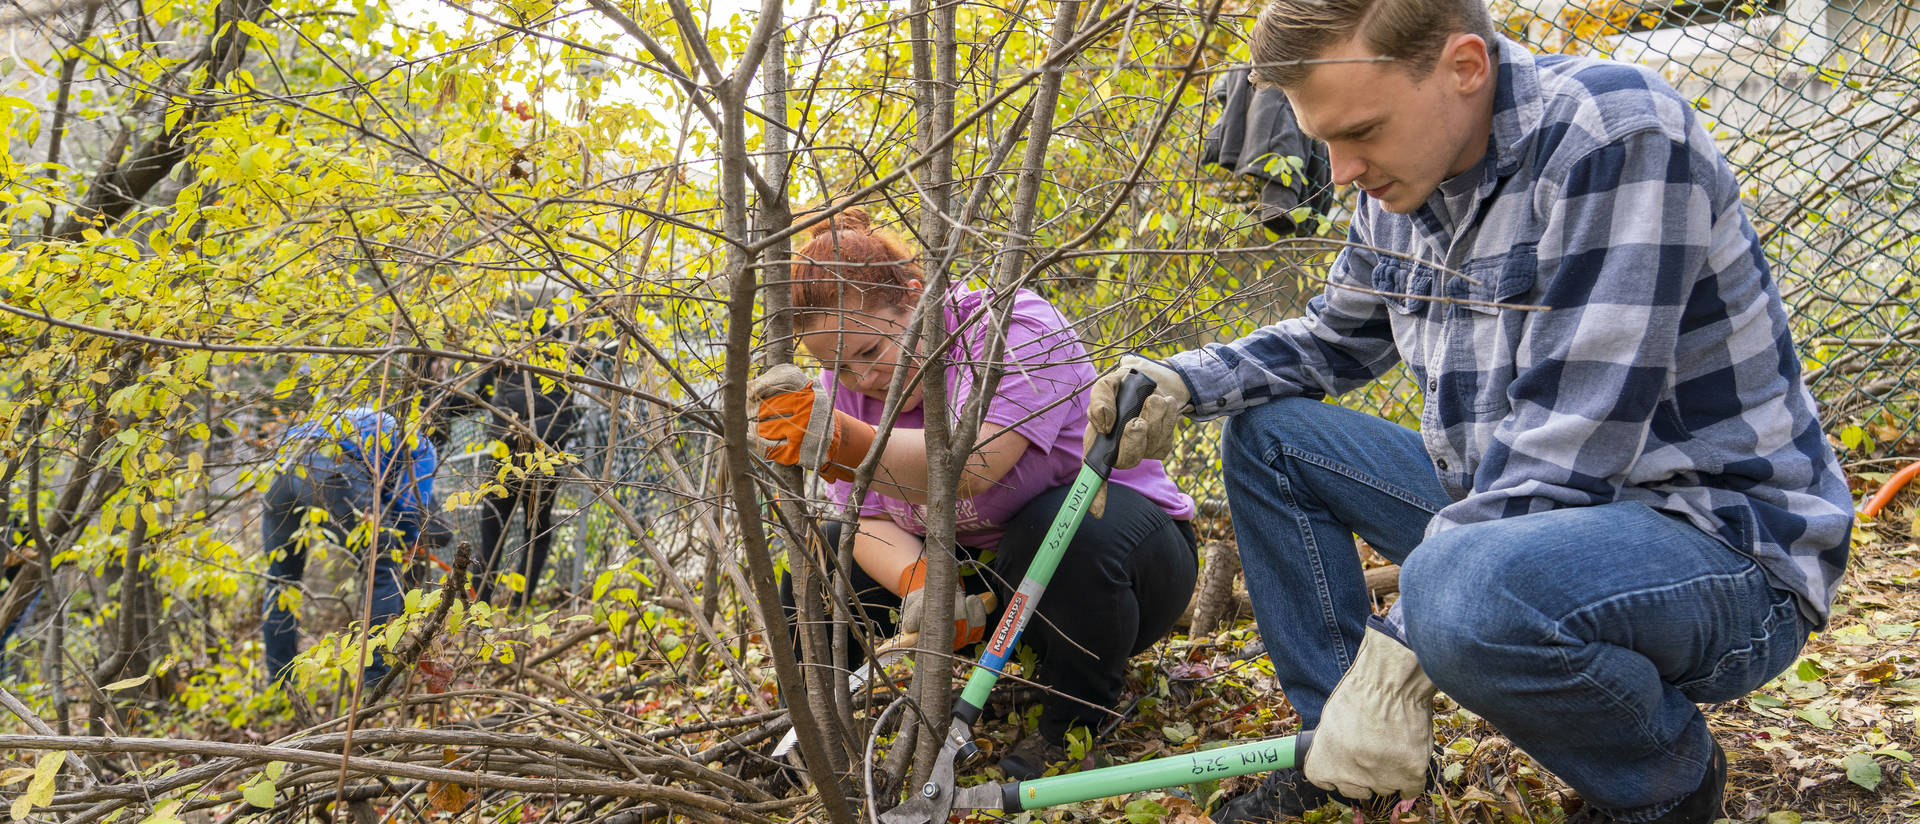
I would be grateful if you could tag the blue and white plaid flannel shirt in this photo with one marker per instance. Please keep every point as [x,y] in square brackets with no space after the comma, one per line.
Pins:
[1662,372]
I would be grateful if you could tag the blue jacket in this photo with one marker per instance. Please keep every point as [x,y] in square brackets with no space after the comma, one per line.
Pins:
[374,441]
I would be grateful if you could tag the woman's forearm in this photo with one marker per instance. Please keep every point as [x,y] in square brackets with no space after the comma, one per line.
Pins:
[884,550]
[903,466]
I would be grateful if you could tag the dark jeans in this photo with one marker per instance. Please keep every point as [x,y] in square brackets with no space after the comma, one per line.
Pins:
[346,492]
[1123,582]
[1585,634]
[535,496]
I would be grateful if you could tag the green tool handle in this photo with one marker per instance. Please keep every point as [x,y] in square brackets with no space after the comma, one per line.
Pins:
[1134,390]
[1171,771]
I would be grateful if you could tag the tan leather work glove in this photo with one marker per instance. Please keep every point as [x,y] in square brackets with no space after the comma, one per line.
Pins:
[1376,733]
[969,613]
[796,424]
[1148,437]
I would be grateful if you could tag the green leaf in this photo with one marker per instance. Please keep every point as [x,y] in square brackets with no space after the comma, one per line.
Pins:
[1145,811]
[166,812]
[1809,670]
[259,793]
[1783,817]
[1862,770]
[1179,732]
[1894,752]
[1816,717]
[1768,701]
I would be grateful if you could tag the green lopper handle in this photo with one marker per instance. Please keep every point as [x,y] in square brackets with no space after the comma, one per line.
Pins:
[1134,390]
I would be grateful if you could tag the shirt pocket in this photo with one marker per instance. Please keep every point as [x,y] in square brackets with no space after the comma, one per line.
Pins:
[1494,279]
[1405,287]
[1484,331]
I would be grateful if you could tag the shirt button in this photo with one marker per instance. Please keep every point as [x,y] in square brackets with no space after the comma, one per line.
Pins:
[1433,385]
[1442,463]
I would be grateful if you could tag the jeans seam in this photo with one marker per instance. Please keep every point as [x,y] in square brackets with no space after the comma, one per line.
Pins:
[1627,709]
[1324,593]
[1380,484]
[1640,721]
[1754,644]
[1585,609]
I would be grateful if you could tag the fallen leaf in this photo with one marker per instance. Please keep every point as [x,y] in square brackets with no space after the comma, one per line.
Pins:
[1862,770]
[1815,716]
[447,798]
[1879,672]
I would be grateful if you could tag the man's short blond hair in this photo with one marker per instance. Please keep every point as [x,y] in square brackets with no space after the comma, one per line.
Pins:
[1411,32]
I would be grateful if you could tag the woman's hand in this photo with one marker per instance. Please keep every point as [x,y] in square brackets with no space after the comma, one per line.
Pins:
[796,424]
[969,613]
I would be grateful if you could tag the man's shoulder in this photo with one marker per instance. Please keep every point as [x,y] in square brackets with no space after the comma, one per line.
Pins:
[1590,102]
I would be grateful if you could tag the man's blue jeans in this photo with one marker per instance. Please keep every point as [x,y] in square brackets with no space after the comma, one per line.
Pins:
[1585,635]
[345,491]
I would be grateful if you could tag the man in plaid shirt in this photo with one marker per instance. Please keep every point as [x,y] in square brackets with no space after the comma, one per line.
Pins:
[1619,502]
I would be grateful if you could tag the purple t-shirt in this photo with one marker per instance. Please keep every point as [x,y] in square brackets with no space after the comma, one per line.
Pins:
[1042,396]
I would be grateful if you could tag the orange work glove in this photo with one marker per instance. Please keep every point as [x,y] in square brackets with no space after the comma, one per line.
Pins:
[969,613]
[796,424]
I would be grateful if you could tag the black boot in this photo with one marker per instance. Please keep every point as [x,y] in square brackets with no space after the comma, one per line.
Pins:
[1030,758]
[1287,793]
[1282,794]
[1700,807]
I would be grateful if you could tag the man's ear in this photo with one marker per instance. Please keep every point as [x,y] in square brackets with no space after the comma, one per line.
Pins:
[1467,62]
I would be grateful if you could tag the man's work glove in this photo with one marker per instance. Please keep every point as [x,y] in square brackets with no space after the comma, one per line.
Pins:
[796,424]
[1149,436]
[969,613]
[1376,733]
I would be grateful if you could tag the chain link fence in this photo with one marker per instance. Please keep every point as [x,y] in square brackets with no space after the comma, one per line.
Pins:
[1813,102]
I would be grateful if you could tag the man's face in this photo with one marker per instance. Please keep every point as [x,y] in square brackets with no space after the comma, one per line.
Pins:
[1394,135]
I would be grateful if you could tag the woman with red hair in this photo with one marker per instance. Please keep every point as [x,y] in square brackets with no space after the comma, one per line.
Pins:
[1127,574]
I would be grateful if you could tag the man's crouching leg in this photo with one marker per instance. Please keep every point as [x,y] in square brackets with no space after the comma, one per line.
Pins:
[1586,635]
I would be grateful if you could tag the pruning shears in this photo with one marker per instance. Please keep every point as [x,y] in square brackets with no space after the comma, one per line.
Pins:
[892,651]
[936,798]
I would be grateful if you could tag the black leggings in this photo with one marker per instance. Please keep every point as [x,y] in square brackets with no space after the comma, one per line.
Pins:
[534,494]
[1123,582]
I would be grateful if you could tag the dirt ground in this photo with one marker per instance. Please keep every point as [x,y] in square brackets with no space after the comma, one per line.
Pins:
[1831,740]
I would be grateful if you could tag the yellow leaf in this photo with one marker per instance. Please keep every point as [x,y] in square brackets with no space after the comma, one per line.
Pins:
[39,791]
[124,684]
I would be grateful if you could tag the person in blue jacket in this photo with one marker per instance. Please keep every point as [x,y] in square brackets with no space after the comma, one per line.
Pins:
[359,467]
